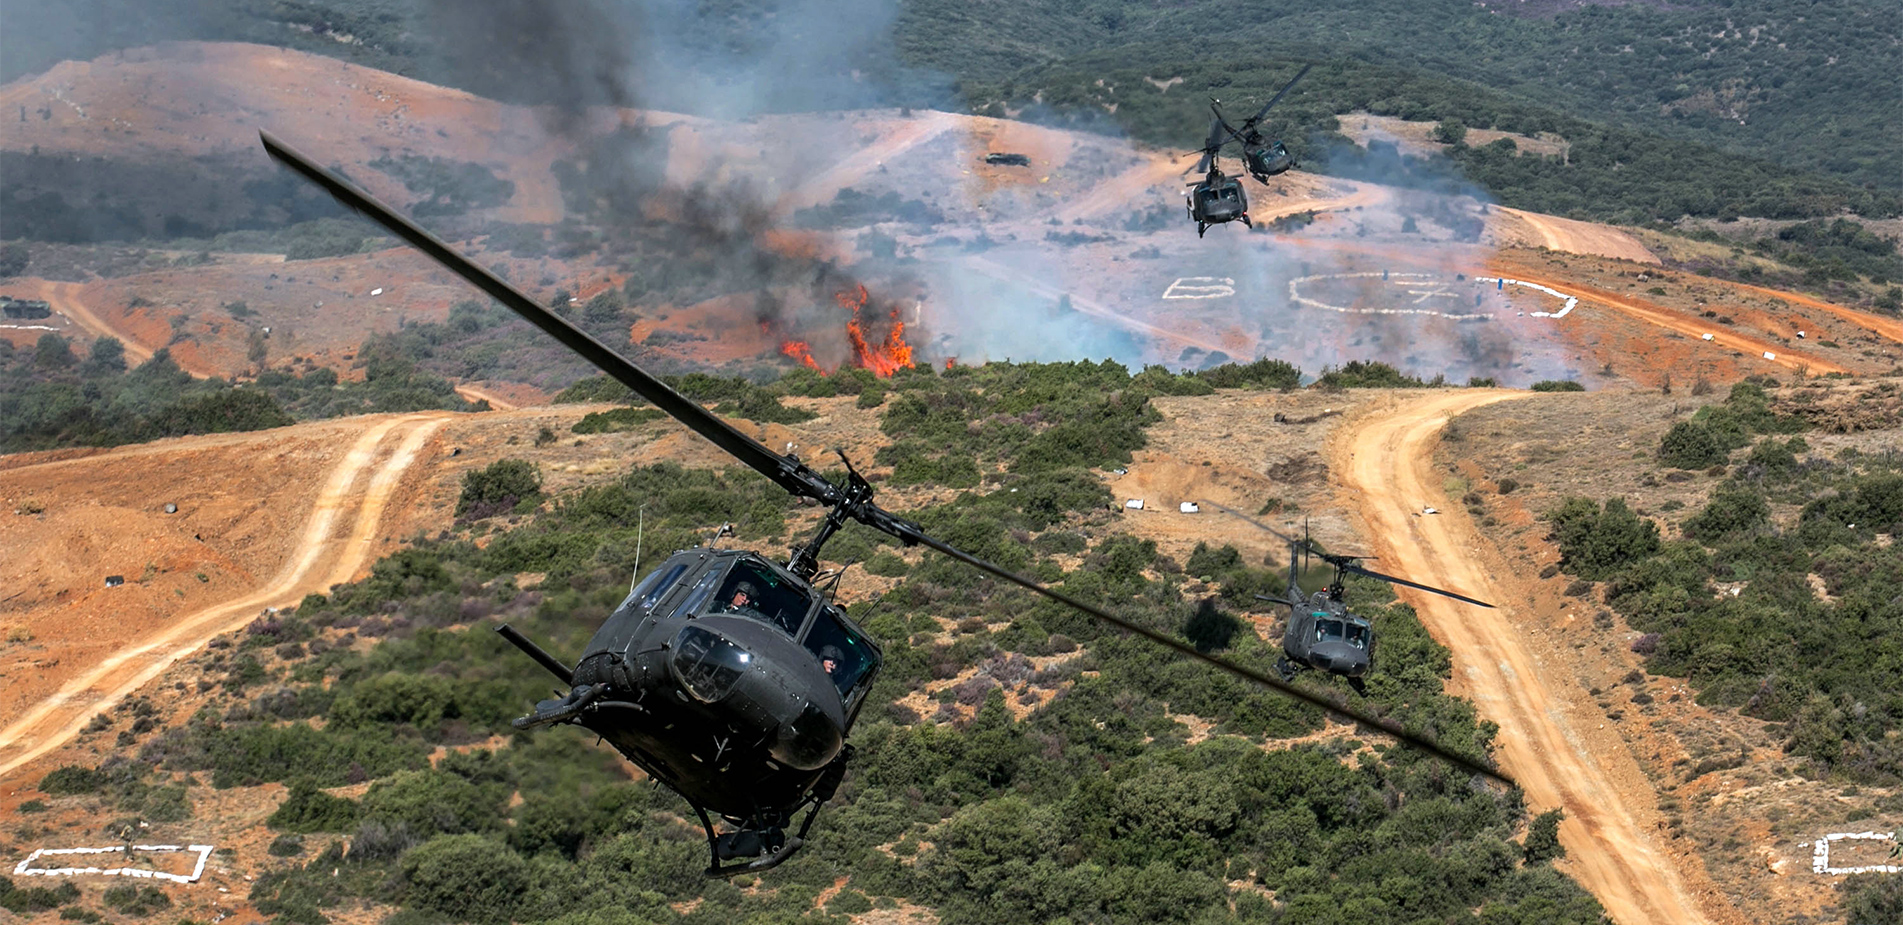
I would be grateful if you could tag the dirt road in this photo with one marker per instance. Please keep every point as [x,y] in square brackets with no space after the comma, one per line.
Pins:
[64,297]
[338,540]
[1576,237]
[471,393]
[1791,357]
[1386,458]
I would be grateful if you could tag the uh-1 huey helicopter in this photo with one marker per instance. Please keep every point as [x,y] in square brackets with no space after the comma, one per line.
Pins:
[1218,197]
[1264,157]
[1322,633]
[729,678]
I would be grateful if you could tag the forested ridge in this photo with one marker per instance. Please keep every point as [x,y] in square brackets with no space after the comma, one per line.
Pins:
[1745,107]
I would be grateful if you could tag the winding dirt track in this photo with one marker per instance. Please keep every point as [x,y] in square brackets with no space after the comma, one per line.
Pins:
[339,540]
[1387,457]
[64,297]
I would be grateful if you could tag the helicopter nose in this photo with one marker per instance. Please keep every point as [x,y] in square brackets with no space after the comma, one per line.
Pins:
[808,741]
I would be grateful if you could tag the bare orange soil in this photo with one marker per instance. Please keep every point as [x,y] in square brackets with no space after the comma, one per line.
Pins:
[197,99]
[289,512]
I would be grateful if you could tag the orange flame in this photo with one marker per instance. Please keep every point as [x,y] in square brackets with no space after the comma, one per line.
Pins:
[884,358]
[798,350]
[951,362]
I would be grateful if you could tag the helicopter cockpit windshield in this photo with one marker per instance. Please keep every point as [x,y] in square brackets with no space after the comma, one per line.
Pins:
[752,591]
[844,655]
[1329,631]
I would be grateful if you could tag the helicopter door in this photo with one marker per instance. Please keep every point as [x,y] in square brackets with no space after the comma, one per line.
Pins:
[853,659]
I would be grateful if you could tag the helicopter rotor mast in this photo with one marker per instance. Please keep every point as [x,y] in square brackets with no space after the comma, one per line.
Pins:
[787,471]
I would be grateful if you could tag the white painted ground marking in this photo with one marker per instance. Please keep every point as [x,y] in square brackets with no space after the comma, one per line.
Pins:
[1201,287]
[1820,854]
[1571,301]
[25,868]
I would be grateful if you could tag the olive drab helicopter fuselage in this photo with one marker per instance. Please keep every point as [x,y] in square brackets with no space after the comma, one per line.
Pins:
[1322,633]
[746,683]
[731,679]
[1218,198]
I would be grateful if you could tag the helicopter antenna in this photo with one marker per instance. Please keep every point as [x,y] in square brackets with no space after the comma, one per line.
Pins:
[832,587]
[851,502]
[640,527]
[726,529]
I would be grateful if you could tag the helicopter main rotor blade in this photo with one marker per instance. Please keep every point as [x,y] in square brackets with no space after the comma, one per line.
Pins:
[1259,525]
[1277,98]
[1329,704]
[788,472]
[1350,567]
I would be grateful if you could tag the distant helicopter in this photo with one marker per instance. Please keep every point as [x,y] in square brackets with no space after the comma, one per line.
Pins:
[729,678]
[1263,157]
[1322,633]
[1218,197]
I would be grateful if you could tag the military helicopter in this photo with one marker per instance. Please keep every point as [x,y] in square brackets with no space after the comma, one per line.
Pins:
[1218,197]
[1322,633]
[1263,157]
[729,678]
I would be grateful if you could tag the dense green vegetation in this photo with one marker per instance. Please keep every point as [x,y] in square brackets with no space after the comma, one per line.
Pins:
[51,398]
[1089,806]
[1732,604]
[1729,117]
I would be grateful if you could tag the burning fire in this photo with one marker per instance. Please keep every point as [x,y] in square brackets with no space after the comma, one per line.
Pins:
[799,350]
[890,354]
[884,359]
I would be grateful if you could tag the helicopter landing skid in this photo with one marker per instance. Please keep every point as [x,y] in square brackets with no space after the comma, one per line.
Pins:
[563,710]
[764,845]
[1287,669]
[763,838]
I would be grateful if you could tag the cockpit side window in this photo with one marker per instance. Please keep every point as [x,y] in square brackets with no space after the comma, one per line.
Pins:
[751,591]
[1357,636]
[653,587]
[850,658]
[695,598]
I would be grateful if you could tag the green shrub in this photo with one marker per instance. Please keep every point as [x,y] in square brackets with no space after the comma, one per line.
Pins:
[35,899]
[1730,510]
[308,809]
[1262,374]
[616,421]
[136,900]
[1542,837]
[498,487]
[432,801]
[71,779]
[1556,385]
[1595,543]
[469,878]
[1690,445]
